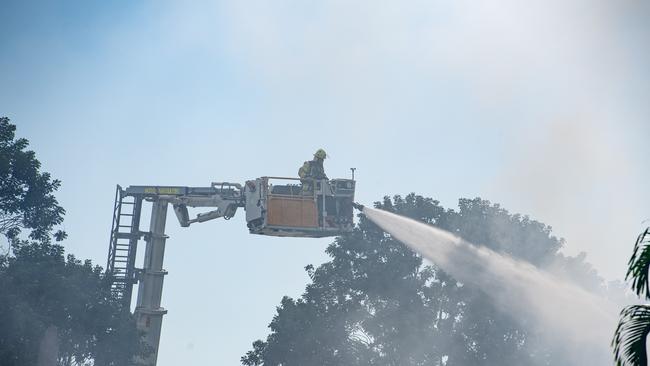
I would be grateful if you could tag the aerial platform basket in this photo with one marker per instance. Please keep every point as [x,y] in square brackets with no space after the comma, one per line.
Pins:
[279,206]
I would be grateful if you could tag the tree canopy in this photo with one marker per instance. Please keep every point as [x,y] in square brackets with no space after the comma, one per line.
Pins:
[375,302]
[631,336]
[52,306]
[39,289]
[26,194]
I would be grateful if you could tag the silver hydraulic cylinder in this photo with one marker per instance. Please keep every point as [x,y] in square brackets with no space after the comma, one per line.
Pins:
[148,312]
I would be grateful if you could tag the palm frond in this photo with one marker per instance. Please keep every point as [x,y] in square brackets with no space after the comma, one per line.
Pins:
[639,265]
[630,337]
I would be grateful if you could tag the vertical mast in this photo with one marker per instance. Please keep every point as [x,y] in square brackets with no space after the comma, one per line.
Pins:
[148,311]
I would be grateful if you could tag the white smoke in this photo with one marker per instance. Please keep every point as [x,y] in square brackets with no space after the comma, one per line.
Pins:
[562,313]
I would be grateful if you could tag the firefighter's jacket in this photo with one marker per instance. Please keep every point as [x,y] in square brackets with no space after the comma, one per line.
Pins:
[312,169]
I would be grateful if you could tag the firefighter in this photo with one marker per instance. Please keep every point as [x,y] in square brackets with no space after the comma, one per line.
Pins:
[312,169]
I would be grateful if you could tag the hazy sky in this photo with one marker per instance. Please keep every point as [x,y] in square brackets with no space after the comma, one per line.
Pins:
[542,106]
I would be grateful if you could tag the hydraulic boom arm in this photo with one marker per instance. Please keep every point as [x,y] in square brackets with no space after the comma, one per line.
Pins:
[224,197]
[275,206]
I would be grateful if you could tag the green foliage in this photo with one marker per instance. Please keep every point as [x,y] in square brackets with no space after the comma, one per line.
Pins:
[40,288]
[639,265]
[376,303]
[26,194]
[634,324]
[631,335]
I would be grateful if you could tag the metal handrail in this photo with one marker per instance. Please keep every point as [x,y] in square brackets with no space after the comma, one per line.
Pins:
[302,197]
[287,178]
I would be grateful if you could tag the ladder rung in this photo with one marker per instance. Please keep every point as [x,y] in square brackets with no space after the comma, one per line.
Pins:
[123,235]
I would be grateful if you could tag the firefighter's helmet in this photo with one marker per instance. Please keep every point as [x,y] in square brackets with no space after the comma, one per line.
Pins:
[320,154]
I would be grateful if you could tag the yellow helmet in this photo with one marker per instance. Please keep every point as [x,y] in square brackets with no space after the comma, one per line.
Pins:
[320,153]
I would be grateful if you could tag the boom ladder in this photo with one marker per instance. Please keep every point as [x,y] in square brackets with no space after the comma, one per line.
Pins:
[125,232]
